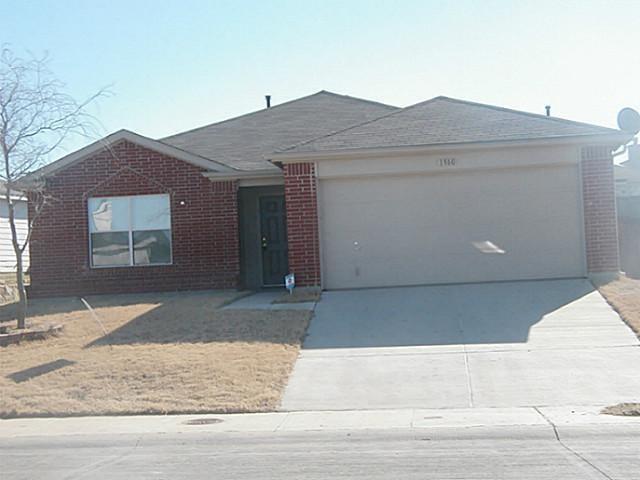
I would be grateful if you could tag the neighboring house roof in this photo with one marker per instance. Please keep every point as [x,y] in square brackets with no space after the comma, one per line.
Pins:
[442,121]
[243,142]
[627,181]
[15,194]
[627,174]
[627,178]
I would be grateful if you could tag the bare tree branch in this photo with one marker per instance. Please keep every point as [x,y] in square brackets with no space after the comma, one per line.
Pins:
[36,117]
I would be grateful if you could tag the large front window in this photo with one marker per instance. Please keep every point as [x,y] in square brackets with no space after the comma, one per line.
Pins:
[128,231]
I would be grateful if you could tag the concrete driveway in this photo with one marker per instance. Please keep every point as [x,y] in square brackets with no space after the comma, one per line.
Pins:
[541,343]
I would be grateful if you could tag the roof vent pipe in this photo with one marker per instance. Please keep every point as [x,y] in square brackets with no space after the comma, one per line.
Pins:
[548,109]
[268,99]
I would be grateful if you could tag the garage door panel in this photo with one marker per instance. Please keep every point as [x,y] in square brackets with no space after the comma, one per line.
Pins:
[485,226]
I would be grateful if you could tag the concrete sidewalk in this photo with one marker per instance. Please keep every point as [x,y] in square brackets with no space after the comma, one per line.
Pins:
[544,418]
[264,301]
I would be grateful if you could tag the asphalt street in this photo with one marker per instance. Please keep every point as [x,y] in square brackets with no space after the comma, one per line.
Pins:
[508,452]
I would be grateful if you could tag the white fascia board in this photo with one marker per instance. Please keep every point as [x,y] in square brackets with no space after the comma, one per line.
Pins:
[256,178]
[17,194]
[132,137]
[17,198]
[242,174]
[615,140]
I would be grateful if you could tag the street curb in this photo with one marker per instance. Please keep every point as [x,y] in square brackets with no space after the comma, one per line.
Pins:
[536,421]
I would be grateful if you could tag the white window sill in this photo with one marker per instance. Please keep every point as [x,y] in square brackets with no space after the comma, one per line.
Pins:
[102,267]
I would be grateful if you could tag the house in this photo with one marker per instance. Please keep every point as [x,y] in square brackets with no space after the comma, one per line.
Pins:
[343,192]
[627,182]
[7,254]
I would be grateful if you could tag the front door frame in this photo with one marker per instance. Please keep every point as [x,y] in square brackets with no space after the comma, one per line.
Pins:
[259,198]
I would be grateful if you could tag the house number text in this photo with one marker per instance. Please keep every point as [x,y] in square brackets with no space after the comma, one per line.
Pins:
[447,162]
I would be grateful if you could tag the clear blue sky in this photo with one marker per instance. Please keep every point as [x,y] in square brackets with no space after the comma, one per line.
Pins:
[180,64]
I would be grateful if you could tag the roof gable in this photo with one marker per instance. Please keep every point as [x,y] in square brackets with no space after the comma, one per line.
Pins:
[444,120]
[145,142]
[244,142]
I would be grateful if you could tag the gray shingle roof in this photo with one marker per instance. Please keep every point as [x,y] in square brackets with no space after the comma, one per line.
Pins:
[244,142]
[444,120]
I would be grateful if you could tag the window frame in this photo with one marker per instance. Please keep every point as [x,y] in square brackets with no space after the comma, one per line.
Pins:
[130,231]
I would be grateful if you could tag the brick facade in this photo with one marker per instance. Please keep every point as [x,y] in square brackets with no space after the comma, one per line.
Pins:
[204,218]
[600,221]
[205,227]
[300,190]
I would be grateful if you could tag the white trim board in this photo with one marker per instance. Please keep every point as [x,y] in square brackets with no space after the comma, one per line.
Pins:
[581,140]
[256,178]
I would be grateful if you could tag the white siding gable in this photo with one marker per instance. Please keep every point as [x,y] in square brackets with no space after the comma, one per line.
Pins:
[7,256]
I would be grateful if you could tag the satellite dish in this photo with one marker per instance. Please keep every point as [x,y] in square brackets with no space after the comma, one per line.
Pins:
[629,120]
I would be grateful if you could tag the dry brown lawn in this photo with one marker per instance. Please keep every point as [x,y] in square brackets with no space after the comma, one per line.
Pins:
[163,353]
[624,296]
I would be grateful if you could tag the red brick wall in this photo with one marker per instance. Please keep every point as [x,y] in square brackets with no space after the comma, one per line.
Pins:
[301,200]
[598,190]
[204,220]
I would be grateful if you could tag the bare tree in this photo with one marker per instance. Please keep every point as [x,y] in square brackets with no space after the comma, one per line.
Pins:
[36,117]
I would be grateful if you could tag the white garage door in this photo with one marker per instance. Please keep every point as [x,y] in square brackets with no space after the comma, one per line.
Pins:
[451,228]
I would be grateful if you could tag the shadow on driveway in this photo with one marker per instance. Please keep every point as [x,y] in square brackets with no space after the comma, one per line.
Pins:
[439,315]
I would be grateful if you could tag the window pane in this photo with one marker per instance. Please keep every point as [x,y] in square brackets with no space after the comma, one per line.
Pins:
[108,214]
[110,249]
[152,246]
[150,212]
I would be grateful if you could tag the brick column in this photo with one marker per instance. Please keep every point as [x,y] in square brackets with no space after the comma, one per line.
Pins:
[600,221]
[226,239]
[301,200]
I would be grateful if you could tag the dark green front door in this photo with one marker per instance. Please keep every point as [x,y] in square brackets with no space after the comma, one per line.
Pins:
[273,238]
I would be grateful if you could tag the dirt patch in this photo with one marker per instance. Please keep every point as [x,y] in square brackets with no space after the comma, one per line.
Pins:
[623,295]
[300,295]
[623,409]
[162,353]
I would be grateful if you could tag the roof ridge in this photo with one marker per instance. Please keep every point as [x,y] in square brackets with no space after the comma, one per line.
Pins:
[523,112]
[453,100]
[288,102]
[395,112]
[358,99]
[240,116]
